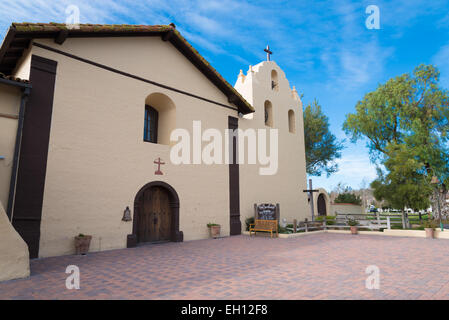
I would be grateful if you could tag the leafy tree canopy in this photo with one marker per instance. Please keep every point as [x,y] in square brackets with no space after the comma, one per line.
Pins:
[322,147]
[404,184]
[405,122]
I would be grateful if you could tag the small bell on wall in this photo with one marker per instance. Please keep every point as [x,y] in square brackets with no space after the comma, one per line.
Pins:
[126,215]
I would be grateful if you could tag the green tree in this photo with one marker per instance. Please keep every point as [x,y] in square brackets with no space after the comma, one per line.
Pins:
[348,198]
[405,123]
[403,185]
[322,147]
[346,195]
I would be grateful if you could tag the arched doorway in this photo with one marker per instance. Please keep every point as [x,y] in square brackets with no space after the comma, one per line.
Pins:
[321,205]
[156,215]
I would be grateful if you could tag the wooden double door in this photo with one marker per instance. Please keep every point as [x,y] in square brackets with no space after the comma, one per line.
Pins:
[155,217]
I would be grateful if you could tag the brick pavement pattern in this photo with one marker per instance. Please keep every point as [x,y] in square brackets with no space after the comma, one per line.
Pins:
[314,266]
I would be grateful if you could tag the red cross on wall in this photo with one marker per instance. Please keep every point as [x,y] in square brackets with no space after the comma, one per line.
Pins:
[158,162]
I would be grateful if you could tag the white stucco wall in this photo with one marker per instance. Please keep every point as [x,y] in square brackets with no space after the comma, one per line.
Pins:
[22,69]
[97,159]
[345,208]
[14,261]
[287,185]
[9,111]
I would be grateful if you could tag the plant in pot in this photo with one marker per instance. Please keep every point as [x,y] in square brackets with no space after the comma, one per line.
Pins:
[214,230]
[429,227]
[352,223]
[249,221]
[82,243]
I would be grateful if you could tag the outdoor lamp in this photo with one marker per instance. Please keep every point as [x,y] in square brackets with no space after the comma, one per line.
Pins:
[127,215]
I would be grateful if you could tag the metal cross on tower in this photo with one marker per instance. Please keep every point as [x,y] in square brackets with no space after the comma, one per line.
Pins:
[269,53]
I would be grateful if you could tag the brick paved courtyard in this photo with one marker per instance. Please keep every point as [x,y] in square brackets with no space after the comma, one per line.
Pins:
[314,266]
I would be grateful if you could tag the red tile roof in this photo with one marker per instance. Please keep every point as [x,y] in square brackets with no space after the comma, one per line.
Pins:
[20,35]
[83,28]
[12,78]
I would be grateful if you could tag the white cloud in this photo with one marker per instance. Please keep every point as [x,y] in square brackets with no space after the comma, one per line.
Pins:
[207,25]
[441,60]
[221,26]
[402,13]
[354,169]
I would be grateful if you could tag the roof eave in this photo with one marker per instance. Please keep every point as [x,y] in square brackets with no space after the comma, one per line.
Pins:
[14,83]
[19,36]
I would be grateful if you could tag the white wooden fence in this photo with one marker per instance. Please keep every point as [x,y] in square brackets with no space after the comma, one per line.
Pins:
[372,221]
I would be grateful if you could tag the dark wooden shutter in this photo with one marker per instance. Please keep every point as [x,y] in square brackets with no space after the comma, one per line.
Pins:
[154,118]
[234,183]
[33,153]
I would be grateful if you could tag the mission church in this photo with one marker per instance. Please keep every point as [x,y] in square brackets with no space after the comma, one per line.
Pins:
[85,122]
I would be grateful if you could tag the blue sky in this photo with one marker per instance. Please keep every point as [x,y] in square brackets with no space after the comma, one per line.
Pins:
[324,47]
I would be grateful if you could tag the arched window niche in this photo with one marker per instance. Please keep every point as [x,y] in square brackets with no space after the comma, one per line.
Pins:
[268,108]
[160,118]
[291,121]
[274,80]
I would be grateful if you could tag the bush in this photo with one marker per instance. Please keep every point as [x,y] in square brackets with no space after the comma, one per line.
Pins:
[330,220]
[249,221]
[284,230]
[212,225]
[352,222]
[348,197]
[431,223]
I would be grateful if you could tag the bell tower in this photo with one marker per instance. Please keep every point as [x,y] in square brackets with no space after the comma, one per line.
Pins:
[277,107]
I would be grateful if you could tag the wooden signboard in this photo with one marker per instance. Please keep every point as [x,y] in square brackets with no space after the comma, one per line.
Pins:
[266,211]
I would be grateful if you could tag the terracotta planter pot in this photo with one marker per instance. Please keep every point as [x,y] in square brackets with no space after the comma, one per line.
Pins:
[214,231]
[353,230]
[82,244]
[429,233]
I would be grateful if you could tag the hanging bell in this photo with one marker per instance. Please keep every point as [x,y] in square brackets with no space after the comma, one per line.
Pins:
[126,215]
